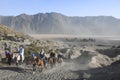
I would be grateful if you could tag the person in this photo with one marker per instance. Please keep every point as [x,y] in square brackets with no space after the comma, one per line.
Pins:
[34,61]
[42,56]
[21,53]
[33,56]
[8,56]
[60,55]
[52,54]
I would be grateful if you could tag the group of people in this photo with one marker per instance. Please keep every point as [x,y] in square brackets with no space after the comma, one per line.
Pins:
[42,55]
[52,55]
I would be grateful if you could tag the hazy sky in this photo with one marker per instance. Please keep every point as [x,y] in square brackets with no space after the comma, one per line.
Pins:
[66,7]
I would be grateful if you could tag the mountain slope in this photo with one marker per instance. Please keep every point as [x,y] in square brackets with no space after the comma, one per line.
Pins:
[7,33]
[55,23]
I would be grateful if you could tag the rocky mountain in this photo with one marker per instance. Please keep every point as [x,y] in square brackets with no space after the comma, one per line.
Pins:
[56,23]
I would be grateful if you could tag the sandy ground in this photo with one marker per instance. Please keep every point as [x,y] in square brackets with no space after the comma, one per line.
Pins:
[58,72]
[77,69]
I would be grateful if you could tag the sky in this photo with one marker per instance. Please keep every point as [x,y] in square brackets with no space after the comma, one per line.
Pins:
[66,7]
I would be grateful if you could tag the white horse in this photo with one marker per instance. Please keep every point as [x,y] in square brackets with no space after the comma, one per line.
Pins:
[18,58]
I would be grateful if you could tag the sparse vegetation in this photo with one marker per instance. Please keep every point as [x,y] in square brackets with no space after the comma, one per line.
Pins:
[76,57]
[7,33]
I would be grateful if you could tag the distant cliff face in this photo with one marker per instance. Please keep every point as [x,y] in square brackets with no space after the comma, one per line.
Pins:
[55,23]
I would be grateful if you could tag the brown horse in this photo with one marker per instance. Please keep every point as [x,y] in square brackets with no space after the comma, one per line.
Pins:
[41,63]
[38,63]
[52,61]
[9,58]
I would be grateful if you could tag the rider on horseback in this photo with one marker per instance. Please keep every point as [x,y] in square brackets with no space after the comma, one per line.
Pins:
[60,55]
[42,55]
[8,56]
[21,52]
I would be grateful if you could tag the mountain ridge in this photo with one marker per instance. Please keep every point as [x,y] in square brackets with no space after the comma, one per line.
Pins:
[56,23]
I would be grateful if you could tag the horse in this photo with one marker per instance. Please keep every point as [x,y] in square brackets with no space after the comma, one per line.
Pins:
[41,63]
[52,61]
[9,58]
[59,60]
[18,58]
[38,62]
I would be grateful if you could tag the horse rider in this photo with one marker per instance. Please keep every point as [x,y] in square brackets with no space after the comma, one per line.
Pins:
[8,56]
[21,52]
[34,61]
[60,55]
[42,55]
[34,57]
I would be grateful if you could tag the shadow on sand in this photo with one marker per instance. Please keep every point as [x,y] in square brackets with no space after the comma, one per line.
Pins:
[16,69]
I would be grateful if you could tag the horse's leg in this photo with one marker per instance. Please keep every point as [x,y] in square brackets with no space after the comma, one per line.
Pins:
[42,66]
[45,63]
[51,61]
[54,61]
[34,66]
[60,61]
[9,61]
[16,62]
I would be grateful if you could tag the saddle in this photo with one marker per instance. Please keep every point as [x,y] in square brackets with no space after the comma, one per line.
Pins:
[8,56]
